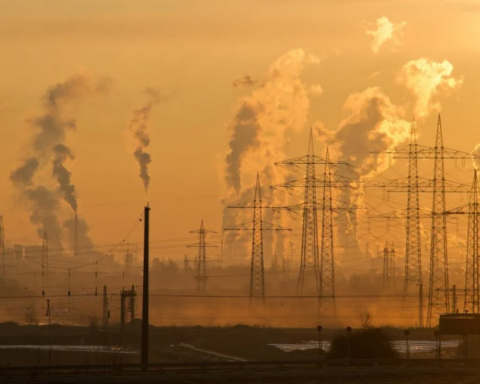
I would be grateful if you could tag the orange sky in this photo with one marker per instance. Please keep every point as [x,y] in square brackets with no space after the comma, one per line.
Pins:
[192,51]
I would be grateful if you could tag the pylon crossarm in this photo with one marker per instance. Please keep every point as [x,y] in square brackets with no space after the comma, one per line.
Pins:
[251,205]
[462,210]
[241,227]
[273,227]
[338,182]
[310,159]
[196,245]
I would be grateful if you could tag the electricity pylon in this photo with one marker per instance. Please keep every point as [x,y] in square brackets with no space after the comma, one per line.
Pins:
[317,276]
[438,186]
[201,261]
[2,244]
[256,226]
[472,276]
[388,277]
[312,263]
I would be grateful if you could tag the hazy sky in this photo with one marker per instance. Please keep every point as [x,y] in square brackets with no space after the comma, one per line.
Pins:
[192,51]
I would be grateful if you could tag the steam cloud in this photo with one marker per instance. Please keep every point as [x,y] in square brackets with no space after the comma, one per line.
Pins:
[476,152]
[49,148]
[279,103]
[427,79]
[138,127]
[383,31]
[373,125]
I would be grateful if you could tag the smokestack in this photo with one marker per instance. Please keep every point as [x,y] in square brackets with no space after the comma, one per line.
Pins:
[75,236]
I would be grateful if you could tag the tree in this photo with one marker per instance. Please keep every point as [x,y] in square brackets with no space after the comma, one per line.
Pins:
[365,343]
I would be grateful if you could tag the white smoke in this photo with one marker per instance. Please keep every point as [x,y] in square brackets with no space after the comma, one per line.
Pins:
[427,79]
[278,103]
[384,30]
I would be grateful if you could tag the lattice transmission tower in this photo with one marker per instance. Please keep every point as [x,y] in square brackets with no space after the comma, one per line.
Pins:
[388,276]
[438,295]
[201,261]
[256,226]
[472,276]
[317,266]
[438,186]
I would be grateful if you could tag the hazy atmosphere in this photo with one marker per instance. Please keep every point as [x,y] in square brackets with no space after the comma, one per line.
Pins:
[295,162]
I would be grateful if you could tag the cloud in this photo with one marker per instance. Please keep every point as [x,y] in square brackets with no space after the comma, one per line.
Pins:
[427,79]
[384,30]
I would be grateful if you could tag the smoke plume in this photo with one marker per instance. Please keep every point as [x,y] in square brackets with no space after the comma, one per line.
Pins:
[278,104]
[62,174]
[427,79]
[373,125]
[48,148]
[476,161]
[138,127]
[384,30]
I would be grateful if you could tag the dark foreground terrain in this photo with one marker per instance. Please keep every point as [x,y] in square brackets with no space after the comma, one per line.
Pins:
[380,375]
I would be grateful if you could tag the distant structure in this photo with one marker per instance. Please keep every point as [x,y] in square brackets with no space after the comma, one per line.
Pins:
[256,226]
[388,276]
[131,294]
[201,275]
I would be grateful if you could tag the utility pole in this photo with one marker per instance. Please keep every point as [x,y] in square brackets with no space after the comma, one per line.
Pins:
[105,309]
[44,262]
[201,261]
[2,244]
[393,267]
[146,245]
[256,226]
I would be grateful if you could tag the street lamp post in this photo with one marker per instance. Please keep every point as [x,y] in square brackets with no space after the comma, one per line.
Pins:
[437,346]
[377,331]
[320,343]
[407,347]
[349,330]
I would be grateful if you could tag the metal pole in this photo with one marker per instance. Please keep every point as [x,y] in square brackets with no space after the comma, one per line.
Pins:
[144,351]
[349,330]
[377,331]
[320,346]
